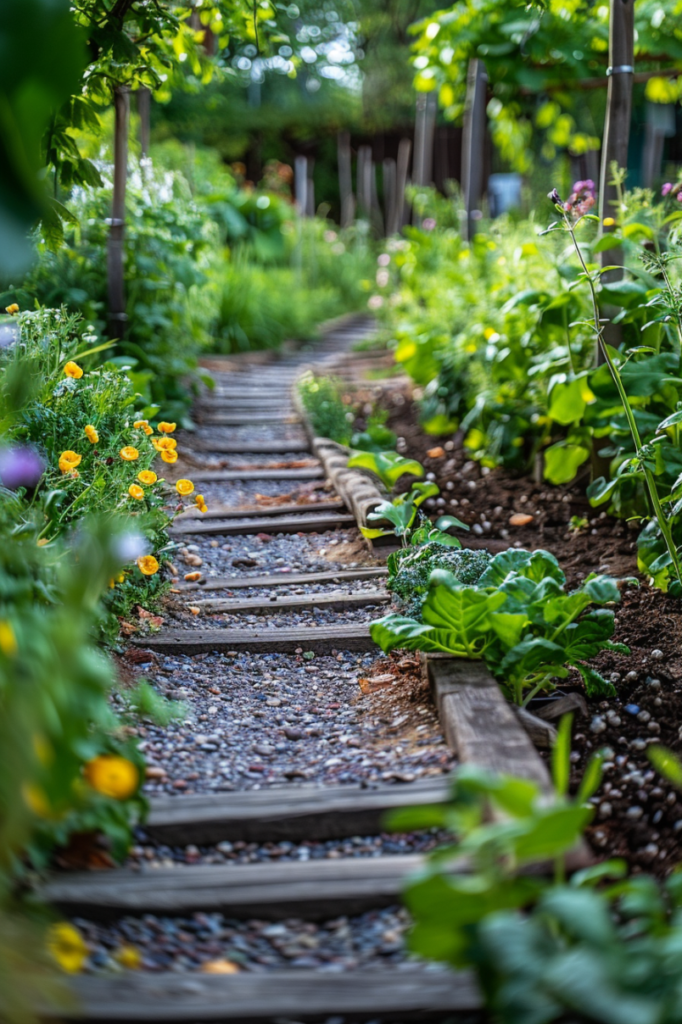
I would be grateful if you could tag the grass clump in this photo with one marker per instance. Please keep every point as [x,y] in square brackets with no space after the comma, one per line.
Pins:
[323,402]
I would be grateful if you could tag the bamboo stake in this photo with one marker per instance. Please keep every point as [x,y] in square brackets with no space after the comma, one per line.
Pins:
[116,283]
[473,143]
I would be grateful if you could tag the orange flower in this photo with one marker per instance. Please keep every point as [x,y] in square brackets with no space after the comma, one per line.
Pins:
[184,487]
[169,457]
[147,565]
[167,428]
[135,491]
[112,776]
[200,503]
[147,477]
[73,370]
[68,461]
[12,309]
[164,444]
[129,454]
[91,434]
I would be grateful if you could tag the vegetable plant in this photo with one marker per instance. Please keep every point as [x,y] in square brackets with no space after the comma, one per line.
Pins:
[518,617]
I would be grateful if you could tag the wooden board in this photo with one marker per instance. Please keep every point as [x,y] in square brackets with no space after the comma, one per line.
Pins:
[283,579]
[305,523]
[226,447]
[230,512]
[321,640]
[272,605]
[240,419]
[224,475]
[278,814]
[314,890]
[479,723]
[410,993]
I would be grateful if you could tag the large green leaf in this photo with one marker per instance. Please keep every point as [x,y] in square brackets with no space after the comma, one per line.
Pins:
[388,466]
[562,461]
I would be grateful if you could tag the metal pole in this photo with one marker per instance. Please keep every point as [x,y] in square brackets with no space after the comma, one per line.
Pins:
[116,284]
[473,143]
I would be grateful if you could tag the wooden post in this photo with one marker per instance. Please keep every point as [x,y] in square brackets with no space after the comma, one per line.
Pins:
[616,134]
[400,213]
[345,179]
[376,215]
[144,98]
[473,144]
[116,283]
[388,174]
[301,184]
[364,186]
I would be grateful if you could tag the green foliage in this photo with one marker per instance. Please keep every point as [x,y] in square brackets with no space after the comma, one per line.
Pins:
[322,399]
[518,617]
[146,703]
[601,947]
[388,466]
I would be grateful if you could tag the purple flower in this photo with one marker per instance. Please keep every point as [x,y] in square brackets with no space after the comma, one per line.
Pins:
[666,188]
[20,467]
[428,224]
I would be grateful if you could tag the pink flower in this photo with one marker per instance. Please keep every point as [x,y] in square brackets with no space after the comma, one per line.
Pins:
[666,188]
[428,224]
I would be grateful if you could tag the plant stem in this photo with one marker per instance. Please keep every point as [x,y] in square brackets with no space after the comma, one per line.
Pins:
[649,478]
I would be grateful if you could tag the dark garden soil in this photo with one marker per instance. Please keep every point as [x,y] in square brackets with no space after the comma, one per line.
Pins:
[639,815]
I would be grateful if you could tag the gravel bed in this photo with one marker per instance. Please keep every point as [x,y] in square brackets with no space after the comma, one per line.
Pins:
[188,943]
[245,492]
[269,720]
[247,432]
[148,856]
[309,552]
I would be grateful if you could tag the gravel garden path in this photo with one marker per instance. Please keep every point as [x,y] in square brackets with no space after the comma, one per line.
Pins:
[263,885]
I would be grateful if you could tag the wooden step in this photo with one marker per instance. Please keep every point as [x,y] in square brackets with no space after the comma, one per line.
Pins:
[230,512]
[283,579]
[270,606]
[321,640]
[241,419]
[315,890]
[305,523]
[224,446]
[224,475]
[410,993]
[290,814]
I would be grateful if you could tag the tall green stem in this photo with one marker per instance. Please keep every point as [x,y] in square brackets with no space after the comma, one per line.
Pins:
[649,478]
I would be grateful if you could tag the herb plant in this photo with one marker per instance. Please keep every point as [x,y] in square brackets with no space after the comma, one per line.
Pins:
[322,399]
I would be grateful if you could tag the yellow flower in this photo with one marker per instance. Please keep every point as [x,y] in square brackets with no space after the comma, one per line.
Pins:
[35,800]
[147,477]
[167,428]
[129,453]
[67,946]
[43,749]
[135,491]
[147,565]
[184,487]
[8,641]
[12,309]
[42,541]
[140,424]
[68,461]
[73,370]
[170,457]
[91,434]
[609,222]
[200,503]
[128,957]
[164,444]
[112,776]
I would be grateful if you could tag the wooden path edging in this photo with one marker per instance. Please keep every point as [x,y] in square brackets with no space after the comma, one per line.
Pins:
[304,522]
[284,579]
[320,640]
[265,606]
[416,993]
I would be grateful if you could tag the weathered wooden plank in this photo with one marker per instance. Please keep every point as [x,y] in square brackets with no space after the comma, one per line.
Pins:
[478,722]
[270,606]
[224,446]
[285,814]
[316,890]
[305,523]
[230,512]
[411,993]
[224,475]
[321,640]
[239,419]
[284,579]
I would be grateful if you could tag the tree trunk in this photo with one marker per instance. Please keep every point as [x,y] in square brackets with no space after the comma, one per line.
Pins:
[116,285]
[473,145]
[389,181]
[347,199]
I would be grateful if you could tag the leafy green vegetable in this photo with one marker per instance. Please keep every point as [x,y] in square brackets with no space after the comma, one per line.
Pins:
[388,466]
